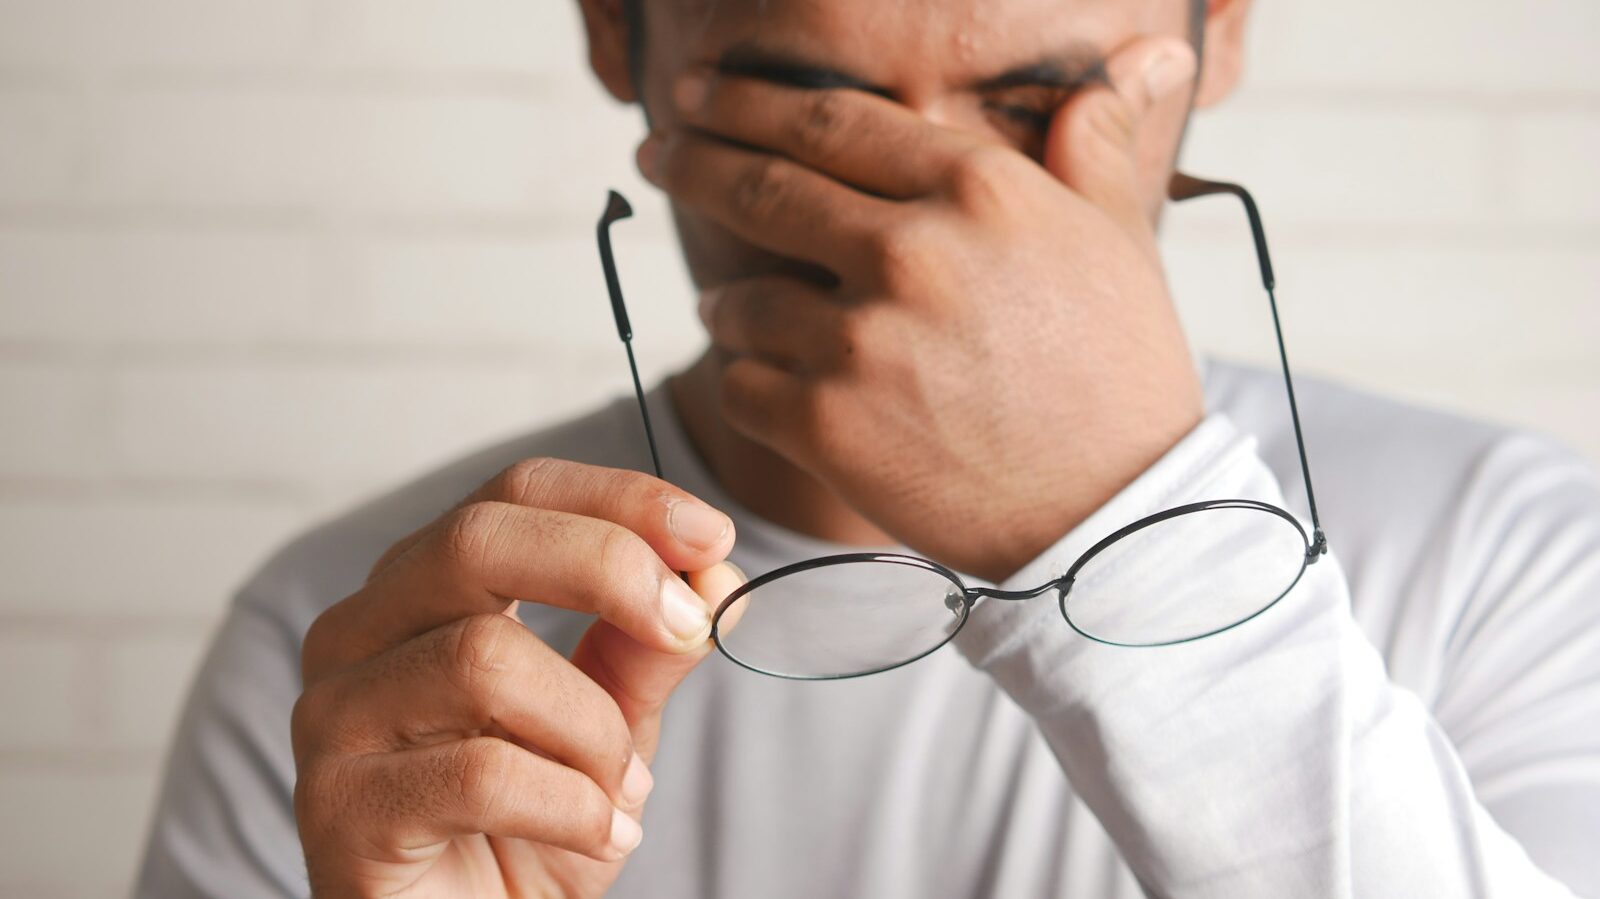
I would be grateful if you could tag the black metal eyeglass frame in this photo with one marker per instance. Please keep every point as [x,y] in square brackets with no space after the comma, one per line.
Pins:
[1182,187]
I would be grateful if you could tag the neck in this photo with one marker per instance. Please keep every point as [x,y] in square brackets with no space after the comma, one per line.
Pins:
[756,476]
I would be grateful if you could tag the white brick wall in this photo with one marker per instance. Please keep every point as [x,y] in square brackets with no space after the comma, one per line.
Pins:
[41,143]
[191,285]
[93,35]
[259,258]
[40,691]
[1552,171]
[167,550]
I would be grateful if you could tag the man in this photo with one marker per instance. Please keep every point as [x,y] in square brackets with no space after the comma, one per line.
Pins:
[923,232]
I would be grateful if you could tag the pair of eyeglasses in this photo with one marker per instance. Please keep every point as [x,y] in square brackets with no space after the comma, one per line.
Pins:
[855,614]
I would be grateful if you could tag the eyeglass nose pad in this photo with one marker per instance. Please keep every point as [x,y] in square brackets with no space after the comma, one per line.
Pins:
[955,599]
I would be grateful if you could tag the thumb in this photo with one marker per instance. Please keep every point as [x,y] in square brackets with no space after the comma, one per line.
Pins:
[1093,142]
[639,678]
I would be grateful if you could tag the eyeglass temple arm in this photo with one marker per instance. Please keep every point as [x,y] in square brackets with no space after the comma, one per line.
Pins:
[617,208]
[1185,187]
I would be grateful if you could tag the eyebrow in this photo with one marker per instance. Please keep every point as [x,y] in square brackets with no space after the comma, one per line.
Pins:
[752,60]
[1071,67]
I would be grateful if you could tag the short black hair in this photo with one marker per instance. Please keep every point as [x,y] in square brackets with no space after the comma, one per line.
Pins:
[633,12]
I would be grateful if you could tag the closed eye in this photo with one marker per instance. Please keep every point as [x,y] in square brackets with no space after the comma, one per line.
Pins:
[1031,106]
[1026,116]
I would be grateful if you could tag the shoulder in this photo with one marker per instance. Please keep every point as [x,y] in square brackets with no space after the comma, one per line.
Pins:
[1375,457]
[331,560]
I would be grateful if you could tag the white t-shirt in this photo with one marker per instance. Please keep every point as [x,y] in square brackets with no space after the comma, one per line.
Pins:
[1420,716]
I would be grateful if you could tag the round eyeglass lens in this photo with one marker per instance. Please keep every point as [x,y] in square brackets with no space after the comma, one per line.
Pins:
[1187,576]
[841,619]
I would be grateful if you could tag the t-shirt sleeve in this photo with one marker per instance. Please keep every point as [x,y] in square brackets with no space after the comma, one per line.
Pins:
[1278,758]
[1518,688]
[224,820]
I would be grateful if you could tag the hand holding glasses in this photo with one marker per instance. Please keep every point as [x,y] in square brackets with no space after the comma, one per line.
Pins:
[855,614]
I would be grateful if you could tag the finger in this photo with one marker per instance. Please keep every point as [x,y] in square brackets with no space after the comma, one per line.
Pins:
[846,134]
[417,798]
[770,201]
[485,555]
[688,534]
[640,679]
[769,405]
[794,325]
[473,674]
[1093,144]
[719,595]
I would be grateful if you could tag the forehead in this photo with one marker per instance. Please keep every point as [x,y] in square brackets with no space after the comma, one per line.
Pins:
[885,40]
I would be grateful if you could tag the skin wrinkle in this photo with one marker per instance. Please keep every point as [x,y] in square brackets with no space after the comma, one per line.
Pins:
[967,42]
[964,232]
[814,32]
[971,196]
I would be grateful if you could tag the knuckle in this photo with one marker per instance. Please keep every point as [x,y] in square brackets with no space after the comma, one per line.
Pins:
[629,491]
[316,645]
[758,192]
[469,534]
[981,175]
[483,768]
[622,553]
[314,787]
[592,814]
[474,655]
[523,481]
[901,252]
[824,118]
[309,716]
[306,796]
[582,810]
[329,794]
[334,639]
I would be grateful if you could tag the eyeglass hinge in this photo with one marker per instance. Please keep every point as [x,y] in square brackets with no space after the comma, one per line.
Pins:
[1318,548]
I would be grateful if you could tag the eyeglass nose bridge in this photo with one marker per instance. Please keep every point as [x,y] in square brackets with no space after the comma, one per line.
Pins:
[1061,583]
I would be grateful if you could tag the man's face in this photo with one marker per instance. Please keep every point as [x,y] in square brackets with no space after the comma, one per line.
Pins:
[993,68]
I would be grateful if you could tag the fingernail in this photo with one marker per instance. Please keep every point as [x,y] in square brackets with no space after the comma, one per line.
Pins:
[649,157]
[685,613]
[636,782]
[1167,70]
[690,92]
[697,526]
[743,578]
[625,832]
[708,304]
